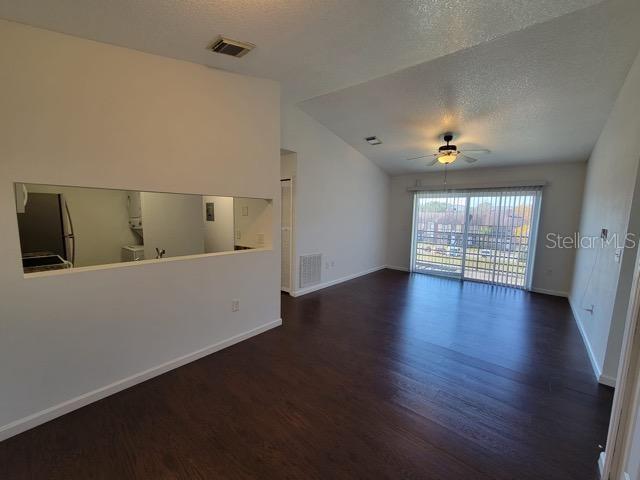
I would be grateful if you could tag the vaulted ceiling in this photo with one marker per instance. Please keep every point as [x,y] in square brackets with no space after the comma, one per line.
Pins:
[542,94]
[531,80]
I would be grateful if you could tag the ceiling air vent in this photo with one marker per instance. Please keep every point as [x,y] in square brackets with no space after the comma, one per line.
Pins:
[231,47]
[373,140]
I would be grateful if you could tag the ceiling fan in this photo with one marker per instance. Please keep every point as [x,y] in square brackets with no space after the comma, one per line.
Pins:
[449,153]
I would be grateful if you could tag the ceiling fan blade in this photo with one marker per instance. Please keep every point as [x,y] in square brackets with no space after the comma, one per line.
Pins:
[422,156]
[475,150]
[431,164]
[468,159]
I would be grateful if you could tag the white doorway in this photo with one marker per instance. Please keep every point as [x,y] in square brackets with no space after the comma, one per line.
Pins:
[286,234]
[288,167]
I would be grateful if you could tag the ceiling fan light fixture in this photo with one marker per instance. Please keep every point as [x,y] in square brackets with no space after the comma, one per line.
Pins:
[448,157]
[449,153]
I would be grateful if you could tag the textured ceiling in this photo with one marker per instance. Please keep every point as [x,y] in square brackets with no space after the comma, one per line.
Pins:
[531,80]
[312,47]
[537,95]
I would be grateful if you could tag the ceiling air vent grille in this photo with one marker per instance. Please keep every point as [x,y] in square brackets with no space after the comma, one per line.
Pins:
[310,270]
[230,47]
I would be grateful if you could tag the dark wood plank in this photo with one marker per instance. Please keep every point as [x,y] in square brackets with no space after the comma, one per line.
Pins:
[388,376]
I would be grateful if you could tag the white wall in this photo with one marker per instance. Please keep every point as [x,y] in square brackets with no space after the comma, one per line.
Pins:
[609,193]
[560,213]
[252,229]
[340,200]
[83,113]
[218,235]
[173,223]
[100,221]
[288,165]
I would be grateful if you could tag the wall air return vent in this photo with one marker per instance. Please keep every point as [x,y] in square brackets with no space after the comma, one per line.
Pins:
[230,47]
[310,270]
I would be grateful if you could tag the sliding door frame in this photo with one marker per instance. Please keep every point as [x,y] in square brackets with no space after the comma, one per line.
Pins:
[468,193]
[413,258]
[465,235]
[533,241]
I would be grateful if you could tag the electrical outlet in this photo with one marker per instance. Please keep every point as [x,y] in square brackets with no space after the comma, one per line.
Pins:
[235,305]
[333,264]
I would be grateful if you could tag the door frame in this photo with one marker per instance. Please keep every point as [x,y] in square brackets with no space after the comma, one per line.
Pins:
[289,170]
[291,232]
[626,399]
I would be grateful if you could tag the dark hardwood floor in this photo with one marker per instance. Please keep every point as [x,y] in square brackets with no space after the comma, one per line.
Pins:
[386,376]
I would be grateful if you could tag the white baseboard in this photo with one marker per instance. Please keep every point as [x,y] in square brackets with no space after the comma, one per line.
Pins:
[304,291]
[395,267]
[585,340]
[55,411]
[555,293]
[603,379]
[607,380]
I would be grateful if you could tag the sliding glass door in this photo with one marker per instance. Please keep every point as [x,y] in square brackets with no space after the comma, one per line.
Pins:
[439,233]
[487,236]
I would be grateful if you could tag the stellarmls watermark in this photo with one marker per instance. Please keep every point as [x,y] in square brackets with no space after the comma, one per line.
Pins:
[576,240]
